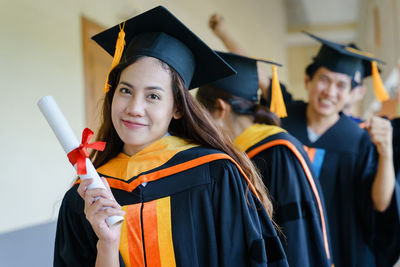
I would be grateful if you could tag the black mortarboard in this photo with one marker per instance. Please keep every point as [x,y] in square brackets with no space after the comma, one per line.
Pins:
[158,33]
[348,59]
[365,68]
[245,83]
[341,58]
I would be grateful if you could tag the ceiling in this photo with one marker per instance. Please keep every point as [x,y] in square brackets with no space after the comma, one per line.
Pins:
[321,12]
[336,19]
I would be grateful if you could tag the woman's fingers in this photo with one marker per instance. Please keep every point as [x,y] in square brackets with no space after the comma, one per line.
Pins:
[83,187]
[98,206]
[107,212]
[106,185]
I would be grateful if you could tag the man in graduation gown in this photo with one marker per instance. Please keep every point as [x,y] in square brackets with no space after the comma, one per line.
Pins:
[386,244]
[354,167]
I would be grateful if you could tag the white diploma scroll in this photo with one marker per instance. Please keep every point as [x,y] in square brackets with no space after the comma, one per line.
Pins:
[69,142]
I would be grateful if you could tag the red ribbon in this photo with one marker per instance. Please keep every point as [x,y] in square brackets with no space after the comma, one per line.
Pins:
[78,155]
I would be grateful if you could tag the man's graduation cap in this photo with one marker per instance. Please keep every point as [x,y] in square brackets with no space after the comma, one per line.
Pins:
[348,59]
[158,33]
[245,83]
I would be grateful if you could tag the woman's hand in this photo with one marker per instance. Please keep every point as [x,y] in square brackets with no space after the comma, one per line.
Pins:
[99,205]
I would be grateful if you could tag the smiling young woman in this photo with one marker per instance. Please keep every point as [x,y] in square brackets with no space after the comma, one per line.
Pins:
[143,104]
[189,197]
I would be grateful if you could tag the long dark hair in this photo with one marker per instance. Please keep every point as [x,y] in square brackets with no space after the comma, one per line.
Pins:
[194,125]
[207,95]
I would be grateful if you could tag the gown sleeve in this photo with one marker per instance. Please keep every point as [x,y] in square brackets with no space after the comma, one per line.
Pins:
[383,227]
[364,204]
[75,243]
[387,236]
[245,233]
[396,146]
[295,207]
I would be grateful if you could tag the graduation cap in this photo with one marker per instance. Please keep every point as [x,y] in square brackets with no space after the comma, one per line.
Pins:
[348,59]
[158,33]
[245,83]
[365,68]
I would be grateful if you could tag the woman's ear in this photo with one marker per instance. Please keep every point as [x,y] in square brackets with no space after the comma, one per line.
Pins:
[221,109]
[177,115]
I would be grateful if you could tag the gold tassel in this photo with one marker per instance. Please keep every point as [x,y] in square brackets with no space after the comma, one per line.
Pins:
[379,88]
[119,48]
[277,102]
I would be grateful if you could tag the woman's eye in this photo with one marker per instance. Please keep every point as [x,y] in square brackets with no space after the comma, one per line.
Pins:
[154,96]
[125,90]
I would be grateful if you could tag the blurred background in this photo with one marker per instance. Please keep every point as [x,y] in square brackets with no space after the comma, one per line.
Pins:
[45,49]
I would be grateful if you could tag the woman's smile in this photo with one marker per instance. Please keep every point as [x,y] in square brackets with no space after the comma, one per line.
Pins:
[133,125]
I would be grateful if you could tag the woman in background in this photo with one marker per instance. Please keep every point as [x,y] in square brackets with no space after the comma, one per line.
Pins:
[280,158]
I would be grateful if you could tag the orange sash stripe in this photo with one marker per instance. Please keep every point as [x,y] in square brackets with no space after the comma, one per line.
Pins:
[151,233]
[118,184]
[310,152]
[310,179]
[134,235]
[157,232]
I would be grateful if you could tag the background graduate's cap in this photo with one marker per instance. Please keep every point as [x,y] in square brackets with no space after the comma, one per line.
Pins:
[158,33]
[365,67]
[245,83]
[348,59]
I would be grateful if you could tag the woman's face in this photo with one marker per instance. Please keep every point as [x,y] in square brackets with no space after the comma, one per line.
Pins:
[143,104]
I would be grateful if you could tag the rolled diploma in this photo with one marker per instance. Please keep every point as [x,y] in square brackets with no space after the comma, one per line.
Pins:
[69,142]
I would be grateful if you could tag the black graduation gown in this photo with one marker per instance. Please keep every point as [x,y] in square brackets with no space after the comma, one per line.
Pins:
[345,161]
[387,243]
[196,210]
[298,206]
[396,145]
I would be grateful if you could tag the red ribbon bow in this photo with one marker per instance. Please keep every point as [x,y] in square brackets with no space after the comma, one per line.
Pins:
[78,155]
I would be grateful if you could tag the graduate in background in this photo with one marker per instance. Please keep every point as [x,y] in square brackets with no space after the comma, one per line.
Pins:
[361,195]
[354,167]
[280,158]
[386,245]
[189,197]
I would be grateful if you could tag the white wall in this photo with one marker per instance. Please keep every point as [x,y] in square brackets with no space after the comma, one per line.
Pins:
[41,54]
[389,50]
